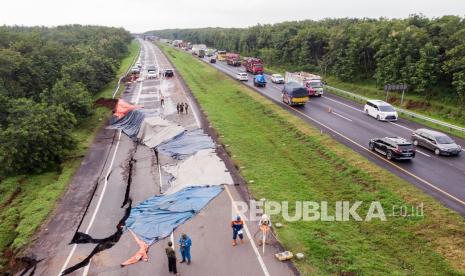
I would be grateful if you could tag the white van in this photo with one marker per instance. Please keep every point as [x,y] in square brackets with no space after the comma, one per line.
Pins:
[380,110]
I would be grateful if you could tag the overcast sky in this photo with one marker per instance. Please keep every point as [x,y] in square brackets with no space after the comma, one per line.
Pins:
[145,15]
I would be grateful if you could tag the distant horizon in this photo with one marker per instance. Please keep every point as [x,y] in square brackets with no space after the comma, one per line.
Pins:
[139,16]
[233,27]
[316,20]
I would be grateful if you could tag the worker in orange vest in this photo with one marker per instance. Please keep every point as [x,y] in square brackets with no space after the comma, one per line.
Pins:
[237,226]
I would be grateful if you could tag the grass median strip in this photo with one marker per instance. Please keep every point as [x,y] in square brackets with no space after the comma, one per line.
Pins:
[27,200]
[292,161]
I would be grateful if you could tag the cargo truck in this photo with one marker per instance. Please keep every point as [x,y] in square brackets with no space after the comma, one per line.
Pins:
[221,55]
[313,83]
[201,53]
[253,65]
[198,47]
[233,59]
[294,93]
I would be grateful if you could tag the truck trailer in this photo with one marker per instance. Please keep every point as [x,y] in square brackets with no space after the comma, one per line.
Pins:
[253,65]
[221,55]
[313,83]
[233,59]
[196,48]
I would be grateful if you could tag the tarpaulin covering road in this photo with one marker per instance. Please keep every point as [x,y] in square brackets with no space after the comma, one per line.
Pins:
[131,122]
[122,108]
[188,143]
[155,130]
[158,216]
[202,168]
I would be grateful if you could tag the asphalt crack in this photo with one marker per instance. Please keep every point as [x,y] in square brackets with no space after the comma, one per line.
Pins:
[102,244]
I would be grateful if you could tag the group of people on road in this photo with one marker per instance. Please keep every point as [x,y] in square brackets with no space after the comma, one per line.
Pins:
[182,107]
[185,242]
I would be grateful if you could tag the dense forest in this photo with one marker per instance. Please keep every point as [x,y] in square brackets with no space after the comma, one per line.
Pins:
[48,77]
[427,54]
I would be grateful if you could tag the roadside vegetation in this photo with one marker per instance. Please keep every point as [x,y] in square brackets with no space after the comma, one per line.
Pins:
[365,54]
[289,160]
[49,80]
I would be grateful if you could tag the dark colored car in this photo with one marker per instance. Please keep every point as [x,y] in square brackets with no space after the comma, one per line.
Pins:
[168,73]
[393,148]
[436,141]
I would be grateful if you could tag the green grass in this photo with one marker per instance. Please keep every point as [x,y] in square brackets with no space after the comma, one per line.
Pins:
[26,201]
[292,161]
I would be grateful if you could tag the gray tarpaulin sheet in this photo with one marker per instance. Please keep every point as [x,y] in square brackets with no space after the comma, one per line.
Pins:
[131,122]
[188,143]
[202,168]
[155,130]
[158,216]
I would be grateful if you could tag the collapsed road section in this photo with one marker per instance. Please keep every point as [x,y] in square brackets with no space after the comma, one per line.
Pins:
[162,165]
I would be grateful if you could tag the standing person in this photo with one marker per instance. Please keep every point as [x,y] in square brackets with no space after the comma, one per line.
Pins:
[181,108]
[237,226]
[186,106]
[178,107]
[162,100]
[185,247]
[171,254]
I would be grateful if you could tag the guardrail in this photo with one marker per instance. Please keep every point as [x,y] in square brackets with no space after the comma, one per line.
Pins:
[127,72]
[402,111]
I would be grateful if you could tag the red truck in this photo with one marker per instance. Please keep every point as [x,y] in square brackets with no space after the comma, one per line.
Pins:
[253,65]
[233,59]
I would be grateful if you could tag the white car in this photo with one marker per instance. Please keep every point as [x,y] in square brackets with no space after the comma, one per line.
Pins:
[152,75]
[277,78]
[380,110]
[242,77]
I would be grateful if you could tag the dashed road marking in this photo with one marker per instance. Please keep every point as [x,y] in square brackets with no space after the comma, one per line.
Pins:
[343,117]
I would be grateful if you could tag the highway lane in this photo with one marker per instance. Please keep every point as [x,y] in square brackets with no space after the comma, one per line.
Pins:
[440,176]
[209,230]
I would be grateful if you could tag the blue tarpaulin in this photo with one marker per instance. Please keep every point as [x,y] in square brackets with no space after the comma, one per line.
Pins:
[156,217]
[131,122]
[188,143]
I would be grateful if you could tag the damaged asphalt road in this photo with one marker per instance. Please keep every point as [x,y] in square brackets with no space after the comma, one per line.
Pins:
[128,174]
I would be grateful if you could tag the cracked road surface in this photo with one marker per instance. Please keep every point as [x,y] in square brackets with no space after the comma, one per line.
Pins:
[122,168]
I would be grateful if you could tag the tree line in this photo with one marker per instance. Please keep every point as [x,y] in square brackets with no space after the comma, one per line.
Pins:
[48,77]
[427,54]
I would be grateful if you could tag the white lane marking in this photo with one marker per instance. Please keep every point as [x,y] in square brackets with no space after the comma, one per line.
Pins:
[247,232]
[249,236]
[65,265]
[343,117]
[420,152]
[341,103]
[86,268]
[404,127]
[71,253]
[383,159]
[378,156]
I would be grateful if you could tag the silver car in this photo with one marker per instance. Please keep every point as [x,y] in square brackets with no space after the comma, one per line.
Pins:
[436,141]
